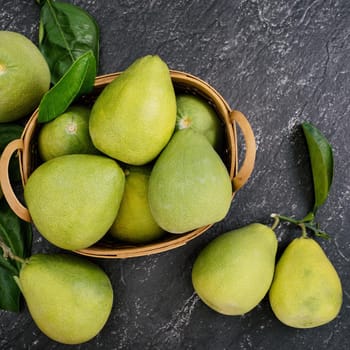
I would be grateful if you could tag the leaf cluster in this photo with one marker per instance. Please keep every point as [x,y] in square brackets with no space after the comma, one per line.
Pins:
[69,41]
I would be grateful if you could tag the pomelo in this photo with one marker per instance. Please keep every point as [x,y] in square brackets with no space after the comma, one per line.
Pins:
[233,273]
[134,222]
[74,199]
[66,134]
[306,290]
[24,76]
[189,186]
[134,117]
[68,297]
[196,113]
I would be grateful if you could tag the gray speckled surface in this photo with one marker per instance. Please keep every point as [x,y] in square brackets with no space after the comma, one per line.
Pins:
[279,62]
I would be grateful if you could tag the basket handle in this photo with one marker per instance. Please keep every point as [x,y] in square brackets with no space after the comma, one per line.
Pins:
[247,167]
[18,208]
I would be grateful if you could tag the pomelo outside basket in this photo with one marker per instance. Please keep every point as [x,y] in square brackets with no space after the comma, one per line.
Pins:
[26,148]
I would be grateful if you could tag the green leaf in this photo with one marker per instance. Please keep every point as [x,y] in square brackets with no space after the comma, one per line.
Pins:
[309,217]
[78,80]
[10,294]
[321,158]
[65,33]
[9,132]
[17,235]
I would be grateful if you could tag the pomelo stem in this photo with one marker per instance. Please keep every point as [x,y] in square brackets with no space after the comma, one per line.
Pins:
[303,230]
[275,222]
[7,253]
[303,224]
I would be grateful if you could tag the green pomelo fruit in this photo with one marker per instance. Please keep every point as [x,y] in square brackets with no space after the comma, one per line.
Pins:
[196,113]
[24,76]
[233,273]
[189,185]
[66,134]
[68,297]
[74,199]
[306,291]
[134,117]
[134,222]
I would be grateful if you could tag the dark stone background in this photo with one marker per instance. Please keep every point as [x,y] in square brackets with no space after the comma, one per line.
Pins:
[281,62]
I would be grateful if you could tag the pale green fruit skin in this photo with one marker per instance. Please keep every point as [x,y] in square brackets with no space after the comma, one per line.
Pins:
[189,185]
[69,298]
[24,76]
[134,116]
[134,222]
[306,291]
[196,113]
[66,134]
[233,273]
[74,199]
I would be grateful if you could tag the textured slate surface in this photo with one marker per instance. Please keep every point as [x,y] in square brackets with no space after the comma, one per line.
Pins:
[279,62]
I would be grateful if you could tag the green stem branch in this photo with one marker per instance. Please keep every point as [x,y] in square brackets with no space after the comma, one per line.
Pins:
[7,253]
[303,224]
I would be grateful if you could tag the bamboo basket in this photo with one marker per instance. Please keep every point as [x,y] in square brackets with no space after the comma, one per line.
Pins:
[26,150]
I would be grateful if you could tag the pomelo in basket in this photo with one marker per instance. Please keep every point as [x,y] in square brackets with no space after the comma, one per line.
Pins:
[134,222]
[24,76]
[74,199]
[189,186]
[134,117]
[196,113]
[66,134]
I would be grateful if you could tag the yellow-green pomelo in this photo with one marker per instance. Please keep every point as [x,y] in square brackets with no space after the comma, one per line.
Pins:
[74,199]
[66,134]
[134,222]
[24,76]
[196,113]
[306,291]
[134,116]
[233,273]
[68,297]
[189,186]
